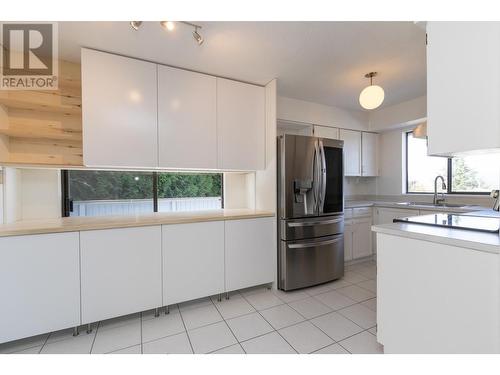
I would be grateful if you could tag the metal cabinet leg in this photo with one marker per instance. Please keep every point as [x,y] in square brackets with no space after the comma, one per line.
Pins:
[89,328]
[157,312]
[75,331]
[219,297]
[167,310]
[227,295]
[269,287]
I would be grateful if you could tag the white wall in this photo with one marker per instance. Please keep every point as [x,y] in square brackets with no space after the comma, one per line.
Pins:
[239,190]
[12,207]
[360,186]
[41,193]
[312,113]
[391,163]
[31,194]
[265,180]
[398,115]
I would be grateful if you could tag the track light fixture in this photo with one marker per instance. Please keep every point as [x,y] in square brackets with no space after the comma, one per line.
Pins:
[170,26]
[197,36]
[135,24]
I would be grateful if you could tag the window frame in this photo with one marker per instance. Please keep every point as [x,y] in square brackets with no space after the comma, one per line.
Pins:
[67,203]
[449,179]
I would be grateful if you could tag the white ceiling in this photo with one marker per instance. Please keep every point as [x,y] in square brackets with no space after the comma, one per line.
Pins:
[322,62]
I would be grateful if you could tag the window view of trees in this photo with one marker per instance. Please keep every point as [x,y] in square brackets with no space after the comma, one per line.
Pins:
[422,169]
[180,185]
[469,174]
[105,185]
[100,193]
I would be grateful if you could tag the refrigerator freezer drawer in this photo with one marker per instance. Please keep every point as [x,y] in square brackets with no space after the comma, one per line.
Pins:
[298,229]
[310,262]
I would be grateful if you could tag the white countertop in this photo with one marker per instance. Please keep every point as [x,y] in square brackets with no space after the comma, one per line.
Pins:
[375,203]
[481,241]
[73,224]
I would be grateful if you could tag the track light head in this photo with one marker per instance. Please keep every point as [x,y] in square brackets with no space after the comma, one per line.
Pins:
[135,25]
[168,25]
[199,39]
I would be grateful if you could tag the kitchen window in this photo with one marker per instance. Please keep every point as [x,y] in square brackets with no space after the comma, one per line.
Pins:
[472,174]
[111,193]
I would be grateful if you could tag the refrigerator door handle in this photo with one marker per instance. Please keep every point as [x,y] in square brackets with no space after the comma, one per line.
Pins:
[315,244]
[322,193]
[314,223]
[316,177]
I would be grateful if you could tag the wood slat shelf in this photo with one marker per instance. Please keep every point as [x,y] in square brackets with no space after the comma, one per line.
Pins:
[43,127]
[41,101]
[36,132]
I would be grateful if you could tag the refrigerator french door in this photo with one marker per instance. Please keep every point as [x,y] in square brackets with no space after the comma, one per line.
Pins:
[310,208]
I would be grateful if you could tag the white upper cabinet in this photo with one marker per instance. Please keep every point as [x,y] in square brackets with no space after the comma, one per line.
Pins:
[352,152]
[326,132]
[463,90]
[119,111]
[241,127]
[138,114]
[187,128]
[369,154]
[360,153]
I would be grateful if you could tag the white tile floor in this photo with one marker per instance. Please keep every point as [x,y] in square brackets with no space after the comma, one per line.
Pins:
[334,318]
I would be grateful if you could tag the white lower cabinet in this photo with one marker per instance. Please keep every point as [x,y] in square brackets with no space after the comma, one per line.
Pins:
[39,284]
[193,261]
[120,272]
[250,252]
[348,232]
[362,238]
[50,282]
[387,215]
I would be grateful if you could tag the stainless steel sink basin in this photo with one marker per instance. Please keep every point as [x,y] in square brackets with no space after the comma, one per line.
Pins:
[427,204]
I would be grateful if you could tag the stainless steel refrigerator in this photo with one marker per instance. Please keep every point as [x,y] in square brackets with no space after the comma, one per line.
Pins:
[311,211]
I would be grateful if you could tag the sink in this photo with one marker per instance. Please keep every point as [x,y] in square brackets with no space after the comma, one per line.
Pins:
[427,204]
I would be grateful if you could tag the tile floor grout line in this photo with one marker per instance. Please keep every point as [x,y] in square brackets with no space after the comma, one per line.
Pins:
[353,320]
[335,310]
[336,341]
[306,318]
[225,347]
[44,343]
[343,347]
[340,341]
[227,325]
[140,319]
[275,330]
[95,336]
[185,328]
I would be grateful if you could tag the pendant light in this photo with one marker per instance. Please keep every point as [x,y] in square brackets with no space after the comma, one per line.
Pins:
[372,96]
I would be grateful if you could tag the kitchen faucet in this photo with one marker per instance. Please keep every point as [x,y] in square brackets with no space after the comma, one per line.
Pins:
[437,201]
